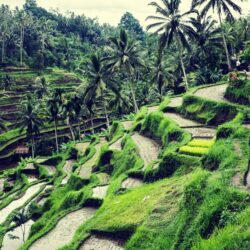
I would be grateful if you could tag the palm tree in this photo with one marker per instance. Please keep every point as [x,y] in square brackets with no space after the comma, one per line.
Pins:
[69,112]
[23,20]
[172,26]
[5,14]
[29,120]
[162,75]
[125,55]
[20,218]
[43,88]
[77,102]
[120,101]
[100,80]
[54,109]
[206,33]
[221,6]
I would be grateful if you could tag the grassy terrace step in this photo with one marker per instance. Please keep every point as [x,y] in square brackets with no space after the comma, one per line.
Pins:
[196,151]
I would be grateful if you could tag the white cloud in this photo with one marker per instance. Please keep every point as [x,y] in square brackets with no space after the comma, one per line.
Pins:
[107,11]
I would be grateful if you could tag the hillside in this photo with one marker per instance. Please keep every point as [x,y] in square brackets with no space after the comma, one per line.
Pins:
[126,136]
[172,177]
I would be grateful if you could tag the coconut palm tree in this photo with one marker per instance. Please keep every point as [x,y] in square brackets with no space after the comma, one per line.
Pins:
[206,34]
[125,55]
[5,31]
[54,110]
[29,120]
[162,75]
[69,113]
[23,20]
[43,89]
[172,26]
[100,80]
[221,6]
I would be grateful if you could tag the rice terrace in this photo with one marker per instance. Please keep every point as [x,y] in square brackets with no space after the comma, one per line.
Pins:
[125,125]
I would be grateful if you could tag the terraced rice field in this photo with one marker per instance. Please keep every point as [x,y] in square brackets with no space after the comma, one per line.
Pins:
[148,149]
[132,183]
[214,92]
[14,244]
[100,192]
[31,191]
[64,231]
[102,243]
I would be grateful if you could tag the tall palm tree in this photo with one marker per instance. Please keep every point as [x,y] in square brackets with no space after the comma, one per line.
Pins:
[29,120]
[172,26]
[125,55]
[5,16]
[100,80]
[43,89]
[23,20]
[221,6]
[206,33]
[69,112]
[77,102]
[162,75]
[54,110]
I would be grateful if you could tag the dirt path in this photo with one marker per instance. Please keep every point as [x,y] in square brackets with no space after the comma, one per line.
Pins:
[14,244]
[67,168]
[102,243]
[181,121]
[131,183]
[116,145]
[148,149]
[19,202]
[214,92]
[82,147]
[127,125]
[64,231]
[100,192]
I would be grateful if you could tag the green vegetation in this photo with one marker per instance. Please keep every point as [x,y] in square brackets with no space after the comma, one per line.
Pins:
[100,108]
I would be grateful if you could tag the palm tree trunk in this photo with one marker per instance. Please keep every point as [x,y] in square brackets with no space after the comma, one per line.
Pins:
[3,47]
[21,47]
[184,72]
[92,124]
[33,146]
[71,129]
[55,125]
[182,64]
[225,45]
[133,94]
[105,110]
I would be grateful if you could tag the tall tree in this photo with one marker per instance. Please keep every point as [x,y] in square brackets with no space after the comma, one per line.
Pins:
[29,120]
[100,80]
[125,55]
[69,112]
[54,109]
[221,6]
[132,25]
[5,16]
[172,26]
[162,75]
[23,20]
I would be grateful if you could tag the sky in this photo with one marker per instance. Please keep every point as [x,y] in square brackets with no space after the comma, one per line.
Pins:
[108,11]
